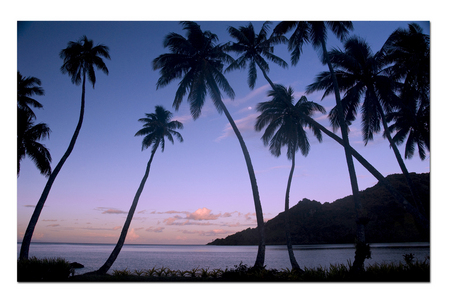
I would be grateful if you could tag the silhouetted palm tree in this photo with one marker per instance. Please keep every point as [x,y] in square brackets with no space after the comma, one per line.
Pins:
[315,32]
[157,127]
[28,136]
[26,88]
[254,47]
[80,58]
[199,62]
[408,52]
[360,73]
[27,133]
[285,124]
[411,123]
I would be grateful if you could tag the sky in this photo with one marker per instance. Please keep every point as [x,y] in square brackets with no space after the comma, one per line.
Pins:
[197,190]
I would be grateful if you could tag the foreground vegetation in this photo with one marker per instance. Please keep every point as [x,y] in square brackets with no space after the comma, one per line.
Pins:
[59,270]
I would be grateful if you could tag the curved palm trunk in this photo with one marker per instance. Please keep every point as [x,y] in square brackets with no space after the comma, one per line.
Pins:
[361,250]
[24,249]
[399,197]
[111,259]
[259,263]
[401,163]
[294,263]
[266,76]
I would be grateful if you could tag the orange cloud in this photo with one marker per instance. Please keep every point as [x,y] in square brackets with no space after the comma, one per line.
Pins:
[114,211]
[132,235]
[202,214]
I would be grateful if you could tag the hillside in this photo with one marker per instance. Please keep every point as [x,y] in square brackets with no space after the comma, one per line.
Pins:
[314,223]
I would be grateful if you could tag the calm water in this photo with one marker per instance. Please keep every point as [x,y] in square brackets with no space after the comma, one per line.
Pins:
[188,257]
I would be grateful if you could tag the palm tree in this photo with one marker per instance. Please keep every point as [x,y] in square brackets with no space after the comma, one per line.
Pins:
[315,32]
[199,62]
[157,127]
[408,52]
[360,72]
[26,88]
[253,47]
[28,136]
[27,133]
[285,127]
[80,58]
[412,123]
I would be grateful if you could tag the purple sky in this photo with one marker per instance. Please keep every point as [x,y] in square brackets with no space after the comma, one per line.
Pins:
[197,190]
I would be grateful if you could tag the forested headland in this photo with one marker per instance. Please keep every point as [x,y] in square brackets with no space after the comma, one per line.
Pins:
[332,223]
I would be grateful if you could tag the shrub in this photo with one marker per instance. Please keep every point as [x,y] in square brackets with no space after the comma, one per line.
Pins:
[43,269]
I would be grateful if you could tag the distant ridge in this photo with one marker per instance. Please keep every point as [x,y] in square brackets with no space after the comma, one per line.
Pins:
[332,223]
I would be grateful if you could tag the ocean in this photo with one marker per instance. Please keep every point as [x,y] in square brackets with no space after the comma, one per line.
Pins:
[188,257]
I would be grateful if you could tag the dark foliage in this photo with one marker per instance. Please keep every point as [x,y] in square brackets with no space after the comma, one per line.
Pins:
[410,271]
[333,223]
[47,270]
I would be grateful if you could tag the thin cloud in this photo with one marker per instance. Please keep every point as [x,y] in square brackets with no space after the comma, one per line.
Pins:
[114,211]
[102,229]
[157,229]
[53,225]
[254,93]
[245,125]
[107,210]
[214,232]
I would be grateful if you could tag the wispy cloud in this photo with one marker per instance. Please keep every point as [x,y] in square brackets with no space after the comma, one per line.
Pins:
[108,210]
[53,225]
[214,232]
[114,211]
[157,229]
[245,125]
[254,93]
[102,229]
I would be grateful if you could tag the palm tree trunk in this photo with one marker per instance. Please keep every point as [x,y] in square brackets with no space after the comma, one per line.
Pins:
[358,264]
[272,85]
[399,197]
[24,249]
[259,263]
[111,259]
[401,163]
[294,263]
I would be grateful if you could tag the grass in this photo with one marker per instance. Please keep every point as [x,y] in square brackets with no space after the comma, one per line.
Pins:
[59,270]
[46,269]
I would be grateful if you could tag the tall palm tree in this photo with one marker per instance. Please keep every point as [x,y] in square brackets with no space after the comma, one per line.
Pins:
[199,62]
[285,124]
[27,87]
[80,58]
[157,127]
[315,32]
[254,47]
[360,73]
[412,123]
[408,52]
[28,135]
